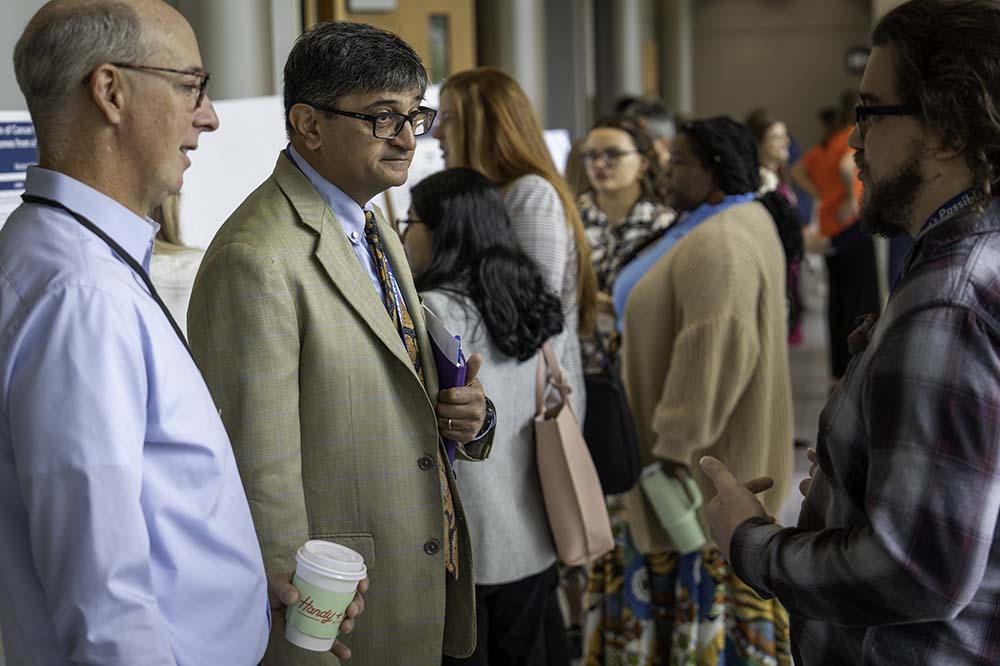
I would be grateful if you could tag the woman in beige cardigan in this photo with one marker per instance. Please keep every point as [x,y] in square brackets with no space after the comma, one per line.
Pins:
[705,363]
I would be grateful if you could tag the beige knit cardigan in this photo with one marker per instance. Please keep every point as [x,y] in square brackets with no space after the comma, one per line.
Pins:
[705,359]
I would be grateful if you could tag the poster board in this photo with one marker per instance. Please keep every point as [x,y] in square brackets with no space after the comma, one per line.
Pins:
[18,150]
[229,164]
[232,161]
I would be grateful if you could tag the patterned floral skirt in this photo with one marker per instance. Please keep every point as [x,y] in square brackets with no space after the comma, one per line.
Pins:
[669,609]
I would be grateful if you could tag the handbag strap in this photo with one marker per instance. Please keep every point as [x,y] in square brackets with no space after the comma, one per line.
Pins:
[549,372]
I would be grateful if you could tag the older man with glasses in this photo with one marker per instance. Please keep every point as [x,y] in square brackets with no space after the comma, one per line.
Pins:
[307,325]
[127,536]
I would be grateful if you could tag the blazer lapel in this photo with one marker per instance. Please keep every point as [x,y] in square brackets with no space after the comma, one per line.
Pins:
[336,255]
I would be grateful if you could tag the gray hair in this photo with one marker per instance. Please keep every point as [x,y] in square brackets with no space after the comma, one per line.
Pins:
[60,48]
[339,58]
[655,118]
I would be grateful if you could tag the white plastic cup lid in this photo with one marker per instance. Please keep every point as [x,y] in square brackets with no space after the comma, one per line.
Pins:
[333,560]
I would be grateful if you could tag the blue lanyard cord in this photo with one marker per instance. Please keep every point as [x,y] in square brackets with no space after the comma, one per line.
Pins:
[952,208]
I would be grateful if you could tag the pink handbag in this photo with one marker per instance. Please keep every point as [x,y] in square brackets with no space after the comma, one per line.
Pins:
[571,488]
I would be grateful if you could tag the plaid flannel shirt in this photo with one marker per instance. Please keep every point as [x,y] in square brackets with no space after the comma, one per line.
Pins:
[896,559]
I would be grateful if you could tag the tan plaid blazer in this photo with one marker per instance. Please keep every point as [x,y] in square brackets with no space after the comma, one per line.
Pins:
[334,435]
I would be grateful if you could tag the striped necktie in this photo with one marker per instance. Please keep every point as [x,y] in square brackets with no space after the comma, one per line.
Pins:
[400,316]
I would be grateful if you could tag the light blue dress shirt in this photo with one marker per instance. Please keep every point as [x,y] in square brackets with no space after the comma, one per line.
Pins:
[350,215]
[126,534]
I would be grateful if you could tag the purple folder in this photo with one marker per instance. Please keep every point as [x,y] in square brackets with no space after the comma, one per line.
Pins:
[449,360]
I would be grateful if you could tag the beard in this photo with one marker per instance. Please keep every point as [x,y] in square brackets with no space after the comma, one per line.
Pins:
[887,204]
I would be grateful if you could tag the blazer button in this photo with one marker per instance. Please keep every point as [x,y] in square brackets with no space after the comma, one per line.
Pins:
[432,547]
[426,463]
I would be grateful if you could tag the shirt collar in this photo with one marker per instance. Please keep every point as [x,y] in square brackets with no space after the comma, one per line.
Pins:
[133,233]
[347,210]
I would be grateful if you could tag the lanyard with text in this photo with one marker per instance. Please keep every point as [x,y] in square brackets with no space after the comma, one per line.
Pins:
[125,256]
[952,208]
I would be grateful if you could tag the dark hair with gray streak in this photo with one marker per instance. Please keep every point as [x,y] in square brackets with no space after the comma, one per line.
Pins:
[339,58]
[947,60]
[60,47]
[654,116]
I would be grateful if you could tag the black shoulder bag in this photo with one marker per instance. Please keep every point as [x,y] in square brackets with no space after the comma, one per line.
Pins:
[609,428]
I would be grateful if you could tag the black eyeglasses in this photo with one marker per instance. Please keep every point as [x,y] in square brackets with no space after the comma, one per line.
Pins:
[403,225]
[609,157]
[864,113]
[201,87]
[389,125]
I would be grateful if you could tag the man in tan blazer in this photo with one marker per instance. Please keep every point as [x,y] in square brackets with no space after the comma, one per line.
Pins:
[301,330]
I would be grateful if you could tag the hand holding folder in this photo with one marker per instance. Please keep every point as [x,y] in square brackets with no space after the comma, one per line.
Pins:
[449,360]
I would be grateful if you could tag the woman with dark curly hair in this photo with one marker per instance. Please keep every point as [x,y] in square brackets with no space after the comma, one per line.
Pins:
[705,364]
[471,273]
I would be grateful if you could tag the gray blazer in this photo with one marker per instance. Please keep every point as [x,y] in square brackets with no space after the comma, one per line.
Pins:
[539,222]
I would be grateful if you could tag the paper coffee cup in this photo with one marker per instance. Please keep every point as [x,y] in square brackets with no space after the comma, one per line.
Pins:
[326,576]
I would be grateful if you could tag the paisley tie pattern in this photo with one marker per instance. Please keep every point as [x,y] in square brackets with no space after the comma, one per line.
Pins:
[400,316]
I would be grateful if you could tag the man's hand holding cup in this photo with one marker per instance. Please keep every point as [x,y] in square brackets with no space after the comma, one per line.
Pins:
[323,599]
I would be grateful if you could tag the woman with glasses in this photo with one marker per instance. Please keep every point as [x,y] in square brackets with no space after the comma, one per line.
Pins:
[705,365]
[471,273]
[621,210]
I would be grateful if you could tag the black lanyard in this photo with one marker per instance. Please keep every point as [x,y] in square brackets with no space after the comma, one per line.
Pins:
[125,256]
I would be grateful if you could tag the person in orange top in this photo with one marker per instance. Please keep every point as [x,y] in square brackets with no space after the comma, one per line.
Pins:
[828,174]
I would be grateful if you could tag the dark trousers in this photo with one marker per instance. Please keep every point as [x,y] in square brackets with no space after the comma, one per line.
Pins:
[510,623]
[853,294]
[557,651]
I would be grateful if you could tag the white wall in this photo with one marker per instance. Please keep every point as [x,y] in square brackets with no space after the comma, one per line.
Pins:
[786,55]
[218,33]
[880,7]
[16,14]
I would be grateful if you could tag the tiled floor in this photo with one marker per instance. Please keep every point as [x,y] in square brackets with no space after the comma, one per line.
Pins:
[810,376]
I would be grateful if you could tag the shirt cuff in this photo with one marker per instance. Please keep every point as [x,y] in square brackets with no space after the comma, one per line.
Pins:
[748,553]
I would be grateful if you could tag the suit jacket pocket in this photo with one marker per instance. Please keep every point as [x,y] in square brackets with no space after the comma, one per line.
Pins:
[361,542]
